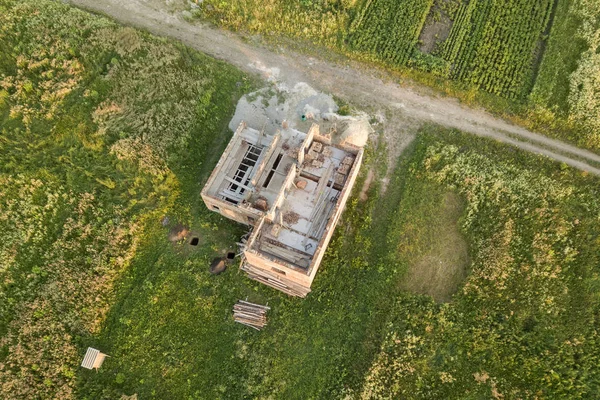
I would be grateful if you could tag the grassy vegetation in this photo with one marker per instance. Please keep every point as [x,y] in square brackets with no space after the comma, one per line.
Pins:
[525,322]
[106,129]
[566,88]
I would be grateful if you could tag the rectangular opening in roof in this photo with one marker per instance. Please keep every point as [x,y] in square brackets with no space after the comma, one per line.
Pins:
[273,169]
[236,187]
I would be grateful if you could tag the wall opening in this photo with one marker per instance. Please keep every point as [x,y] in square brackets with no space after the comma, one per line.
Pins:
[273,169]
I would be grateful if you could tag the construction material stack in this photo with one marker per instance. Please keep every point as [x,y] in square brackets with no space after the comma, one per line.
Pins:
[250,314]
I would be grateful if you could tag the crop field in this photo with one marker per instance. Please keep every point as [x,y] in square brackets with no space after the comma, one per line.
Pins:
[564,50]
[389,29]
[474,273]
[492,44]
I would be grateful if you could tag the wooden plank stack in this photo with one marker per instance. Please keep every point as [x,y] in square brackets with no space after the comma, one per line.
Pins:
[250,314]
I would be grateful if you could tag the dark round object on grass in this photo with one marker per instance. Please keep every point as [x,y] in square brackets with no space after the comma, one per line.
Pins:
[217,266]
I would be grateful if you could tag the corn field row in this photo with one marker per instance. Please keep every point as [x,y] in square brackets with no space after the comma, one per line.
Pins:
[389,29]
[492,44]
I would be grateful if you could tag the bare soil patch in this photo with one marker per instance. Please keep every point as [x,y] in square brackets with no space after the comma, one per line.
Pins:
[442,267]
[178,232]
[436,30]
[365,188]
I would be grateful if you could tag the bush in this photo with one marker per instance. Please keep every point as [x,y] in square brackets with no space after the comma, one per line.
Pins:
[429,63]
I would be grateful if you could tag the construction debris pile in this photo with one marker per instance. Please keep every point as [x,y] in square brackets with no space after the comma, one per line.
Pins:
[250,314]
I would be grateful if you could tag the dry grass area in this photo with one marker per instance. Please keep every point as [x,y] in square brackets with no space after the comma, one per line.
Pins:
[442,265]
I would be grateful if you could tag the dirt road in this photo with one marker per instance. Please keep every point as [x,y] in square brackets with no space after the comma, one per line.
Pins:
[405,107]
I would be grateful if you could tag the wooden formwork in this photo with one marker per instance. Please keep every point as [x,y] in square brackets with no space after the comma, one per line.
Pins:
[275,280]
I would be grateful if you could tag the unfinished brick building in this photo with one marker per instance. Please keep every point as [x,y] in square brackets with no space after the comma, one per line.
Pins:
[291,187]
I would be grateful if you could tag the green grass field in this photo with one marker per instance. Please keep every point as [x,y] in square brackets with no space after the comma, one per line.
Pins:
[523,324]
[106,130]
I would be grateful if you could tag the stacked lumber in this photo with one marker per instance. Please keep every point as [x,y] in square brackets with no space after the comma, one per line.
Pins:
[250,314]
